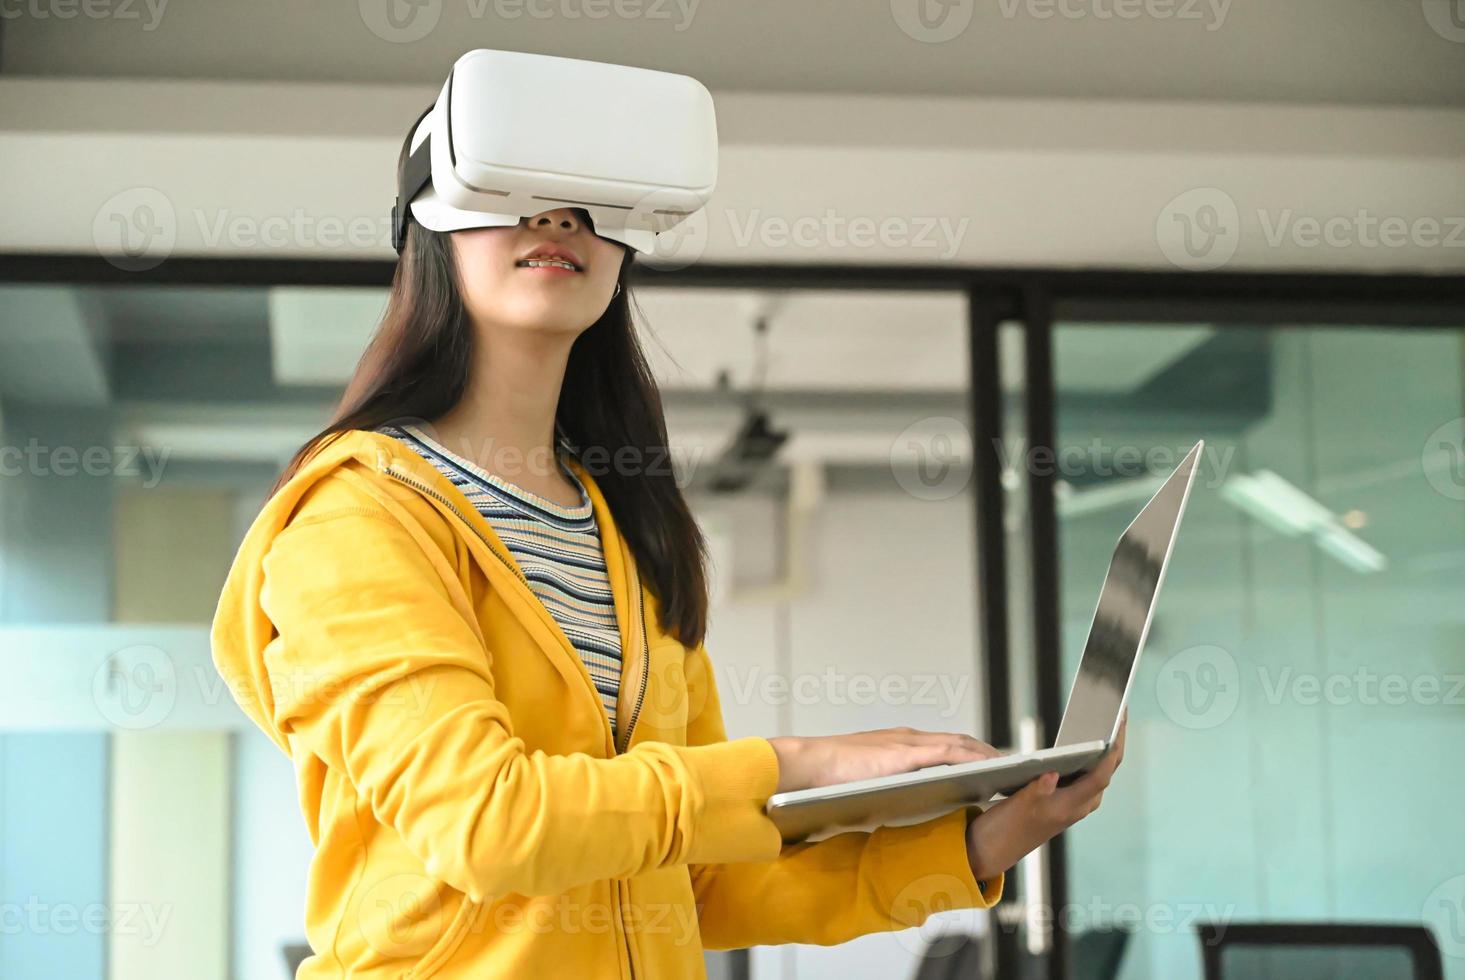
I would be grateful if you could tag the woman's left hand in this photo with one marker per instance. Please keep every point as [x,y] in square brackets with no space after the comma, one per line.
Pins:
[998,838]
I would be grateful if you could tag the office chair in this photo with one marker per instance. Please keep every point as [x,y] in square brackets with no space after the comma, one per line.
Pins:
[1319,951]
[295,954]
[1096,953]
[952,957]
[728,964]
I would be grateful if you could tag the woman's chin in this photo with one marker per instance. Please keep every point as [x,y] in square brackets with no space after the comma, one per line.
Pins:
[551,314]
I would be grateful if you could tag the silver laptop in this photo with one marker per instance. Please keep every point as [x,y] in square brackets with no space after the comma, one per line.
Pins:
[1090,722]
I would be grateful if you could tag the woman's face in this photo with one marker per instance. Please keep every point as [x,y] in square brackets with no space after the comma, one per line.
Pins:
[515,277]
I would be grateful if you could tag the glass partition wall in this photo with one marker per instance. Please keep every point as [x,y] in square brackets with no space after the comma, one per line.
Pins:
[1295,717]
[1293,720]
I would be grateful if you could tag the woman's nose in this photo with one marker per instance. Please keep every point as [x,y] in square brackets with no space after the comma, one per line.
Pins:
[567,220]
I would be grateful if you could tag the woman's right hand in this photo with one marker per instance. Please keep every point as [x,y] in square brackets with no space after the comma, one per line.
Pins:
[807,762]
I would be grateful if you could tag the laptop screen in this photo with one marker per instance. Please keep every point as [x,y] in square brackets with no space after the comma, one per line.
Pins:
[1123,614]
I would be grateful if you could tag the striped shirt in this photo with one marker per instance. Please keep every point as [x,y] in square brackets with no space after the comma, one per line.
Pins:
[557,548]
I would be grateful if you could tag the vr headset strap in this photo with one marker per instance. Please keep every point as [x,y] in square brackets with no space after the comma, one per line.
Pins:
[415,176]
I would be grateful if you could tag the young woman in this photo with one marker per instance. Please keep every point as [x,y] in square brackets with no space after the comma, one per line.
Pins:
[473,612]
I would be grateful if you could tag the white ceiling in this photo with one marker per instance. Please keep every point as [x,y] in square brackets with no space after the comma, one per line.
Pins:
[317,334]
[816,340]
[1373,52]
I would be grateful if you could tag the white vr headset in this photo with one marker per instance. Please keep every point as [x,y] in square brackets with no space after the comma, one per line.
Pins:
[512,135]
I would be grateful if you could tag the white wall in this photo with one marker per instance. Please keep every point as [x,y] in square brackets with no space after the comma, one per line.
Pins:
[891,600]
[168,847]
[270,861]
[271,169]
[169,791]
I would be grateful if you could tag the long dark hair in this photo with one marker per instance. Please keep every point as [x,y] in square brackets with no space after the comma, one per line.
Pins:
[610,411]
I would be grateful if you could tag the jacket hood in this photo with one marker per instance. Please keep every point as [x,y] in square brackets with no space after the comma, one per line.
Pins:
[241,630]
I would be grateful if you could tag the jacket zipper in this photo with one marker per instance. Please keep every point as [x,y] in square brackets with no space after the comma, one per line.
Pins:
[423,488]
[645,667]
[630,730]
[646,645]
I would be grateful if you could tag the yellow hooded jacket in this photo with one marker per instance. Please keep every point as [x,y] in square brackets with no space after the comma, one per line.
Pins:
[472,811]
